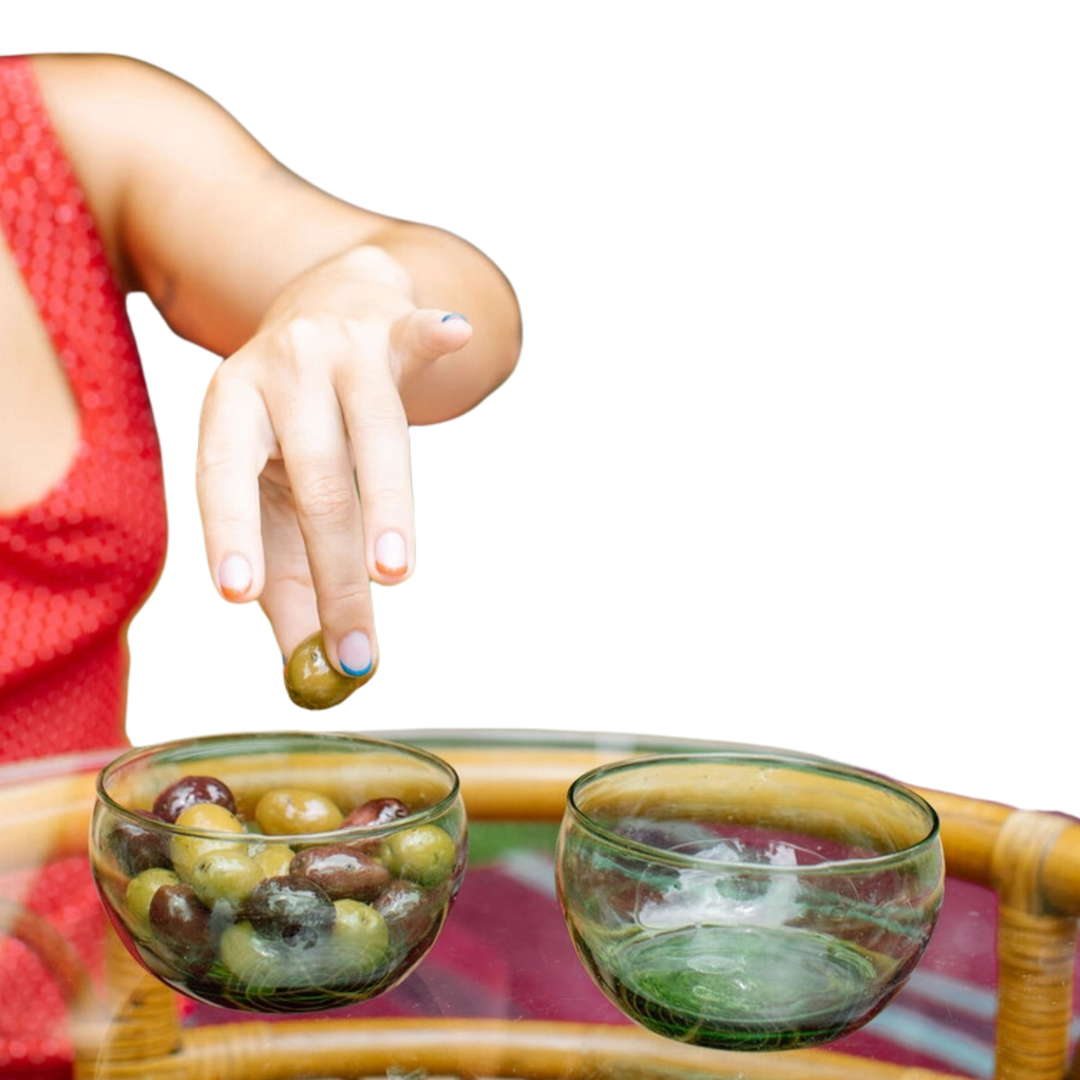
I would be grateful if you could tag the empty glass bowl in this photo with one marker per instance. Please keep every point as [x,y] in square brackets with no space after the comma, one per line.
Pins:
[278,872]
[744,901]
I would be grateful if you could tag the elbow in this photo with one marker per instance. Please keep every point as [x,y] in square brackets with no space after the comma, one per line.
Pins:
[458,382]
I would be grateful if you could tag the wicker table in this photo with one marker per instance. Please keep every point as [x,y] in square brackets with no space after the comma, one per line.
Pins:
[502,994]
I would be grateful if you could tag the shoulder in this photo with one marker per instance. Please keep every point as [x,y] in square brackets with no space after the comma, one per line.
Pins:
[111,113]
[114,99]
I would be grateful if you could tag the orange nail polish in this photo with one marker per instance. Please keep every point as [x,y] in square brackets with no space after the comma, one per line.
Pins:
[391,558]
[234,577]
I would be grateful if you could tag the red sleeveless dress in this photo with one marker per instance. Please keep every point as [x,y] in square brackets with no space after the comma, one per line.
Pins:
[76,565]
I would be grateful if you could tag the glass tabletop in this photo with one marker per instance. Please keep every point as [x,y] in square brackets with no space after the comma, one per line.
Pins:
[502,993]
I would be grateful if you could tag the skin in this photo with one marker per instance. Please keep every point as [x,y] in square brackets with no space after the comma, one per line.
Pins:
[330,319]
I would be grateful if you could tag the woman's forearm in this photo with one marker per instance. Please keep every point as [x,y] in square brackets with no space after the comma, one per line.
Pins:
[339,329]
[200,216]
[219,301]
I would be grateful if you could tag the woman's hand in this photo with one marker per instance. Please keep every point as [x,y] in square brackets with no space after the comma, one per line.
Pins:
[326,313]
[303,473]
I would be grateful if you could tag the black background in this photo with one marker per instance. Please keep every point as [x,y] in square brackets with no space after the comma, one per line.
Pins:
[454,637]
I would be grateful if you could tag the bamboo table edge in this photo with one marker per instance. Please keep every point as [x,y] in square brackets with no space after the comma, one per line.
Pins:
[479,1048]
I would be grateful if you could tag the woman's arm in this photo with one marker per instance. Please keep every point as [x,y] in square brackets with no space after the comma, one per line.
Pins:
[340,327]
[198,215]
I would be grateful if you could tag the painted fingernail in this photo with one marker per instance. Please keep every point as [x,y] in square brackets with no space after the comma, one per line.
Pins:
[234,577]
[354,654]
[390,555]
[454,315]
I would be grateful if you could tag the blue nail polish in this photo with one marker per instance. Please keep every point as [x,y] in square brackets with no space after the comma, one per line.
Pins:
[356,647]
[355,674]
[454,315]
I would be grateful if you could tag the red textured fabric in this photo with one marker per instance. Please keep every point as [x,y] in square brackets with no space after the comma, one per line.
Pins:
[76,566]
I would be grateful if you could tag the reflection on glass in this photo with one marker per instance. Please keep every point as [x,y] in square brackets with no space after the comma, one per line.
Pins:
[748,902]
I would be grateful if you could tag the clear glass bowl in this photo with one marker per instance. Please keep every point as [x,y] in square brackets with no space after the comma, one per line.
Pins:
[304,871]
[747,901]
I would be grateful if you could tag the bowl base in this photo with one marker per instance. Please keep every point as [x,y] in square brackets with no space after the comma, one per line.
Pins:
[747,987]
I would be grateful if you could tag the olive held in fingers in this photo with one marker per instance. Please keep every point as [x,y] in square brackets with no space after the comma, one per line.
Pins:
[311,680]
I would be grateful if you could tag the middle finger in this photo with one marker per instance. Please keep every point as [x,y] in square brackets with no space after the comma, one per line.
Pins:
[378,432]
[317,461]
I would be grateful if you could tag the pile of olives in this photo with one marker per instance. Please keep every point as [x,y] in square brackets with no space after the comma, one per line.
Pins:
[282,924]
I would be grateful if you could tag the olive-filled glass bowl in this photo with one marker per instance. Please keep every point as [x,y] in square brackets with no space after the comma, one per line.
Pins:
[278,872]
[746,901]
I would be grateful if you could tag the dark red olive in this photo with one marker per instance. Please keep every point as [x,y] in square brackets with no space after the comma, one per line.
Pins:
[371,815]
[408,909]
[413,916]
[375,812]
[138,848]
[342,872]
[291,909]
[189,790]
[181,922]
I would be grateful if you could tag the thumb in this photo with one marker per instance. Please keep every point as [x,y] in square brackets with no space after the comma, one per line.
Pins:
[428,334]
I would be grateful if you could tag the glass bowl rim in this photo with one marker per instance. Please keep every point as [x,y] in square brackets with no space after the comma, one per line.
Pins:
[340,835]
[806,763]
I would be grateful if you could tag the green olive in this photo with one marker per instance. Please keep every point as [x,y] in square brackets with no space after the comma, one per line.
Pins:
[225,874]
[311,680]
[206,817]
[292,811]
[361,934]
[253,959]
[141,889]
[274,859]
[424,855]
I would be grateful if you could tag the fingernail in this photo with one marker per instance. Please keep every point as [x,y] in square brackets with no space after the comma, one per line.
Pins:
[354,653]
[234,577]
[454,315]
[390,555]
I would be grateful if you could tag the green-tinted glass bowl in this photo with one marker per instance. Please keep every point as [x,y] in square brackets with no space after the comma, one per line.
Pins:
[208,938]
[744,901]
